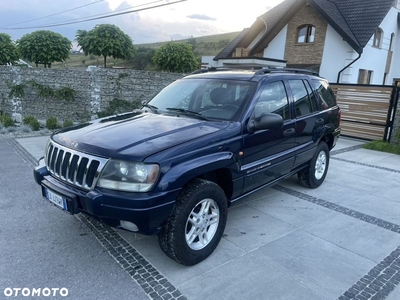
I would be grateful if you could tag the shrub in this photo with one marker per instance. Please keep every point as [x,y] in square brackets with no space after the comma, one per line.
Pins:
[67,123]
[32,122]
[7,121]
[51,123]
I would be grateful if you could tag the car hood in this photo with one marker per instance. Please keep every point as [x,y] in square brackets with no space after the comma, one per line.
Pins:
[136,135]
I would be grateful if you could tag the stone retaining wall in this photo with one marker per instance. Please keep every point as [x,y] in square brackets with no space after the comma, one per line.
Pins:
[94,87]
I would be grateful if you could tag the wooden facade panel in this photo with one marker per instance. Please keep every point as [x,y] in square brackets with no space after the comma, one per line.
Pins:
[365,131]
[364,110]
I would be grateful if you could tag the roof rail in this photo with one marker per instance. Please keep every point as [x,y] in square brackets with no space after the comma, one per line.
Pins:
[288,70]
[211,69]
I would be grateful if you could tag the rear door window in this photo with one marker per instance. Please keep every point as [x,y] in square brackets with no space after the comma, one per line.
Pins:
[303,104]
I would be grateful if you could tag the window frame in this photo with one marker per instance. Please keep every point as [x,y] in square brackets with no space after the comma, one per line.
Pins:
[377,38]
[310,32]
[367,74]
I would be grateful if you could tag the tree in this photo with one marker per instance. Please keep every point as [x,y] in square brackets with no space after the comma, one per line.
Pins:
[8,50]
[105,40]
[143,58]
[176,57]
[44,47]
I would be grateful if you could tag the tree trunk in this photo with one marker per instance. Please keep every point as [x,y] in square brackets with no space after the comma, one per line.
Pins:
[105,61]
[37,64]
[49,65]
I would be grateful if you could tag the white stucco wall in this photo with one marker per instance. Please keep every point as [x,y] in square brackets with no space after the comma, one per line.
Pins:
[276,48]
[337,54]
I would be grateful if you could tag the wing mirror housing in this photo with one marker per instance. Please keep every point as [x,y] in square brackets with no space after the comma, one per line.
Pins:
[264,122]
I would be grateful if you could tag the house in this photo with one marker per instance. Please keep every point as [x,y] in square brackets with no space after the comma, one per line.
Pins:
[346,41]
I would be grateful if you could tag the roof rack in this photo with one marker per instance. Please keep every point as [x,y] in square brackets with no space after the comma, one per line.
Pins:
[287,70]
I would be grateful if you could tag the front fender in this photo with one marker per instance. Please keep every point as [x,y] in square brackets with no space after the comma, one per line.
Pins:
[178,175]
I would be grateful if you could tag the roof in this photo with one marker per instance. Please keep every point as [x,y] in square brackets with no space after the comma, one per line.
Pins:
[354,20]
[232,45]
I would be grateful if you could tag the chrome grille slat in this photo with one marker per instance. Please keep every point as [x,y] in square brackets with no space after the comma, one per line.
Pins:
[76,168]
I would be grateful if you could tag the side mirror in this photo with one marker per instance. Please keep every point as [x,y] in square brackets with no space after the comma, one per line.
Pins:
[265,121]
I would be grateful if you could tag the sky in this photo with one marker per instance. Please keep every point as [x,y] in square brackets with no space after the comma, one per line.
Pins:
[190,18]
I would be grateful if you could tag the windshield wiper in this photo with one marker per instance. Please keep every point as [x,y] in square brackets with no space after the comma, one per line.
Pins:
[153,108]
[187,112]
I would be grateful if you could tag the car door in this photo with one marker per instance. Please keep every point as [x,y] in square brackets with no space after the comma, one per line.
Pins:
[268,154]
[309,123]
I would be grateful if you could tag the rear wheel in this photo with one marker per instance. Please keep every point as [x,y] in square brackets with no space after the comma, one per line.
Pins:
[195,227]
[314,174]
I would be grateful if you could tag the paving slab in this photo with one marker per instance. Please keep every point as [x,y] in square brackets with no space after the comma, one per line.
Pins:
[291,210]
[243,279]
[35,145]
[361,238]
[320,265]
[386,209]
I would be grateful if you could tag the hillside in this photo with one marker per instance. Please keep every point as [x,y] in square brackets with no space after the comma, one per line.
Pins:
[205,45]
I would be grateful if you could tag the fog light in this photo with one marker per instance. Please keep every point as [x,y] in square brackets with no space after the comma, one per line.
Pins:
[129,226]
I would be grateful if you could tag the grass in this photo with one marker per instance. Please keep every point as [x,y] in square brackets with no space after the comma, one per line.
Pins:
[383,147]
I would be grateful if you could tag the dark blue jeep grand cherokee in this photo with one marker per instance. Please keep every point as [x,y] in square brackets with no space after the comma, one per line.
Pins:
[201,144]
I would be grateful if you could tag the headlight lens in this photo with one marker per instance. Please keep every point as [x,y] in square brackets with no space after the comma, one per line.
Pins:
[128,176]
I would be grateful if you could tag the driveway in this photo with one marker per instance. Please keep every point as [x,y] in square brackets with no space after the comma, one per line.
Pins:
[340,241]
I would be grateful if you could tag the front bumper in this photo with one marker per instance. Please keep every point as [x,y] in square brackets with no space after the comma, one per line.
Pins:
[147,211]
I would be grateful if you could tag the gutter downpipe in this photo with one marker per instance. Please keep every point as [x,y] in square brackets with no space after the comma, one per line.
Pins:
[341,71]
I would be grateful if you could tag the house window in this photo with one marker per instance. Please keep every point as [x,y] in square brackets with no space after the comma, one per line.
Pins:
[306,34]
[364,76]
[378,36]
[391,42]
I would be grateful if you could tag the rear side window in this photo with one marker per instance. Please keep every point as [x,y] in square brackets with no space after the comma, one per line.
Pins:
[326,95]
[304,105]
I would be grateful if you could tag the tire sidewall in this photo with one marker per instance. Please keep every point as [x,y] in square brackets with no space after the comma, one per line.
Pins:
[322,147]
[188,255]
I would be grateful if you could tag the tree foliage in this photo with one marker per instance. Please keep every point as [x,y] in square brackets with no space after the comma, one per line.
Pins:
[143,58]
[105,40]
[176,57]
[44,47]
[8,50]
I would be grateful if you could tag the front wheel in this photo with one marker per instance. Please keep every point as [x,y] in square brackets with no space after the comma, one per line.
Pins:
[314,174]
[195,227]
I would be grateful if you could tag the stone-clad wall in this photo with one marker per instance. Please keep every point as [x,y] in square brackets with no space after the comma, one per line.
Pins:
[95,88]
[306,53]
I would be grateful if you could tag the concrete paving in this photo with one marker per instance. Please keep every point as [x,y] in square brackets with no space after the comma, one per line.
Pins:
[340,241]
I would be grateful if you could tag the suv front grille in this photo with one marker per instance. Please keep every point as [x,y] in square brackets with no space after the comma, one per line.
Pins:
[79,169]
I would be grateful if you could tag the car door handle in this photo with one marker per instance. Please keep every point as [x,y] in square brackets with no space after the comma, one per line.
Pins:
[320,122]
[289,132]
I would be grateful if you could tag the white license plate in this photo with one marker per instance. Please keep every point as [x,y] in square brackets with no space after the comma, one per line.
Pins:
[56,199]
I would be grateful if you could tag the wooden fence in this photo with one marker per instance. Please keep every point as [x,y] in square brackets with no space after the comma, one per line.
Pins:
[366,110]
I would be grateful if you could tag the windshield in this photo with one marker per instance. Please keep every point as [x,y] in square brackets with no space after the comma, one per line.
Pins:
[209,98]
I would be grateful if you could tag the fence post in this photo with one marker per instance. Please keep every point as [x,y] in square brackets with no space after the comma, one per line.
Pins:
[392,122]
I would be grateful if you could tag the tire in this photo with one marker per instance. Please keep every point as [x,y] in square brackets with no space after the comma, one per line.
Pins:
[187,237]
[314,174]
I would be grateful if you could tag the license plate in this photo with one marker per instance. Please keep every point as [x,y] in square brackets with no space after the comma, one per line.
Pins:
[58,200]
